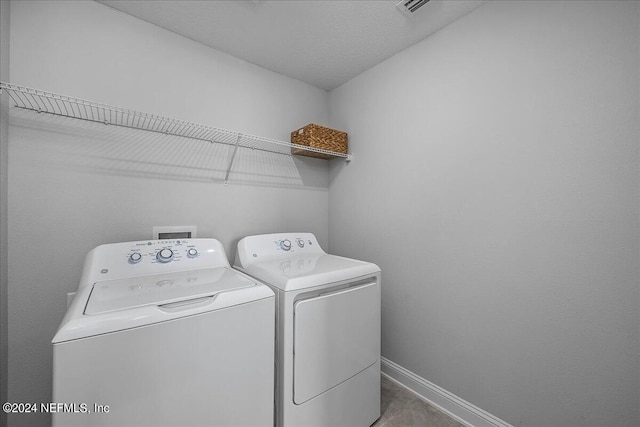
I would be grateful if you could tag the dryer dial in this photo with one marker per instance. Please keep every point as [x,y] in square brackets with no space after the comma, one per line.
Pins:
[164,255]
[285,244]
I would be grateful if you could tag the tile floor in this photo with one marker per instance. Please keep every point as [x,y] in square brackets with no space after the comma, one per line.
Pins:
[402,408]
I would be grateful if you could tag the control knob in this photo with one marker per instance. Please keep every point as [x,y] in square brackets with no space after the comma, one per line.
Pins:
[192,253]
[164,255]
[135,257]
[285,244]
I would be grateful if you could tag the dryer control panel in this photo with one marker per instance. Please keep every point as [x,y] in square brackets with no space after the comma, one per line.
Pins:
[276,246]
[148,257]
[289,243]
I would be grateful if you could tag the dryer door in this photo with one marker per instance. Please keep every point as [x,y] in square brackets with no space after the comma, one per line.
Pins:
[336,335]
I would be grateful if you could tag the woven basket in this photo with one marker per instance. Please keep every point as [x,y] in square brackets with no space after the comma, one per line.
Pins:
[316,136]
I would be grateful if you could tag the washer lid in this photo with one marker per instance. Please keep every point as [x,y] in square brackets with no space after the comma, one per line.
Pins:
[160,289]
[305,272]
[117,305]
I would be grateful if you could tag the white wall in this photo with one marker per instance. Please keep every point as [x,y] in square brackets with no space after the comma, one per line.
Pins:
[73,186]
[495,181]
[4,158]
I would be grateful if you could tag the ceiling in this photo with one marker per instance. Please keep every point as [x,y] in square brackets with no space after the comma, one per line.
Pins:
[322,42]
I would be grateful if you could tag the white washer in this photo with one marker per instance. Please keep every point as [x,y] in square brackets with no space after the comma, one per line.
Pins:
[328,330]
[165,333]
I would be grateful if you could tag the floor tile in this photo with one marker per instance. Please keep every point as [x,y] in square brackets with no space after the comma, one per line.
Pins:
[400,407]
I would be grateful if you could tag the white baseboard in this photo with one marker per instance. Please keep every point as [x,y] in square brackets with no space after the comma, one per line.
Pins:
[449,403]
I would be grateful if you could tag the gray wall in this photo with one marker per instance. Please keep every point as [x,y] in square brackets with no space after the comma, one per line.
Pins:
[4,146]
[73,186]
[496,183]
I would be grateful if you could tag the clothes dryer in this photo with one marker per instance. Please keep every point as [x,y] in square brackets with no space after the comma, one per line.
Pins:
[328,330]
[165,333]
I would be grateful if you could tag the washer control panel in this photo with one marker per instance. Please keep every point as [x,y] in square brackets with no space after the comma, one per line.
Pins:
[162,251]
[147,257]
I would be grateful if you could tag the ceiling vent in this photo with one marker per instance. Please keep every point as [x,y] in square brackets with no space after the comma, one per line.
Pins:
[410,7]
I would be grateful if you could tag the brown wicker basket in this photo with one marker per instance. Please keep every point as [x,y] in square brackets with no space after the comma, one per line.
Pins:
[316,136]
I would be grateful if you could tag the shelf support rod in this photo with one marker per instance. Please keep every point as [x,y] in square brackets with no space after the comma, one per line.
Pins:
[233,156]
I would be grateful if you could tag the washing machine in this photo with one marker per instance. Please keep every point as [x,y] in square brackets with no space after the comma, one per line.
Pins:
[327,333]
[165,333]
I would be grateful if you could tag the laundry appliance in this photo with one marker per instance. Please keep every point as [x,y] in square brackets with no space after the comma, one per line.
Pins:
[327,333]
[165,333]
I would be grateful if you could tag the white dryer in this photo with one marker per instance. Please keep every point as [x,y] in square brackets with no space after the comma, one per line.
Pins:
[328,330]
[165,333]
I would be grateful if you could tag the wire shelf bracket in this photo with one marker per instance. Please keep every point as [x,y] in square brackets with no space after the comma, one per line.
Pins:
[76,108]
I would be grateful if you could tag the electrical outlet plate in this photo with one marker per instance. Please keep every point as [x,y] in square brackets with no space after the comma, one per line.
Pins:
[174,232]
